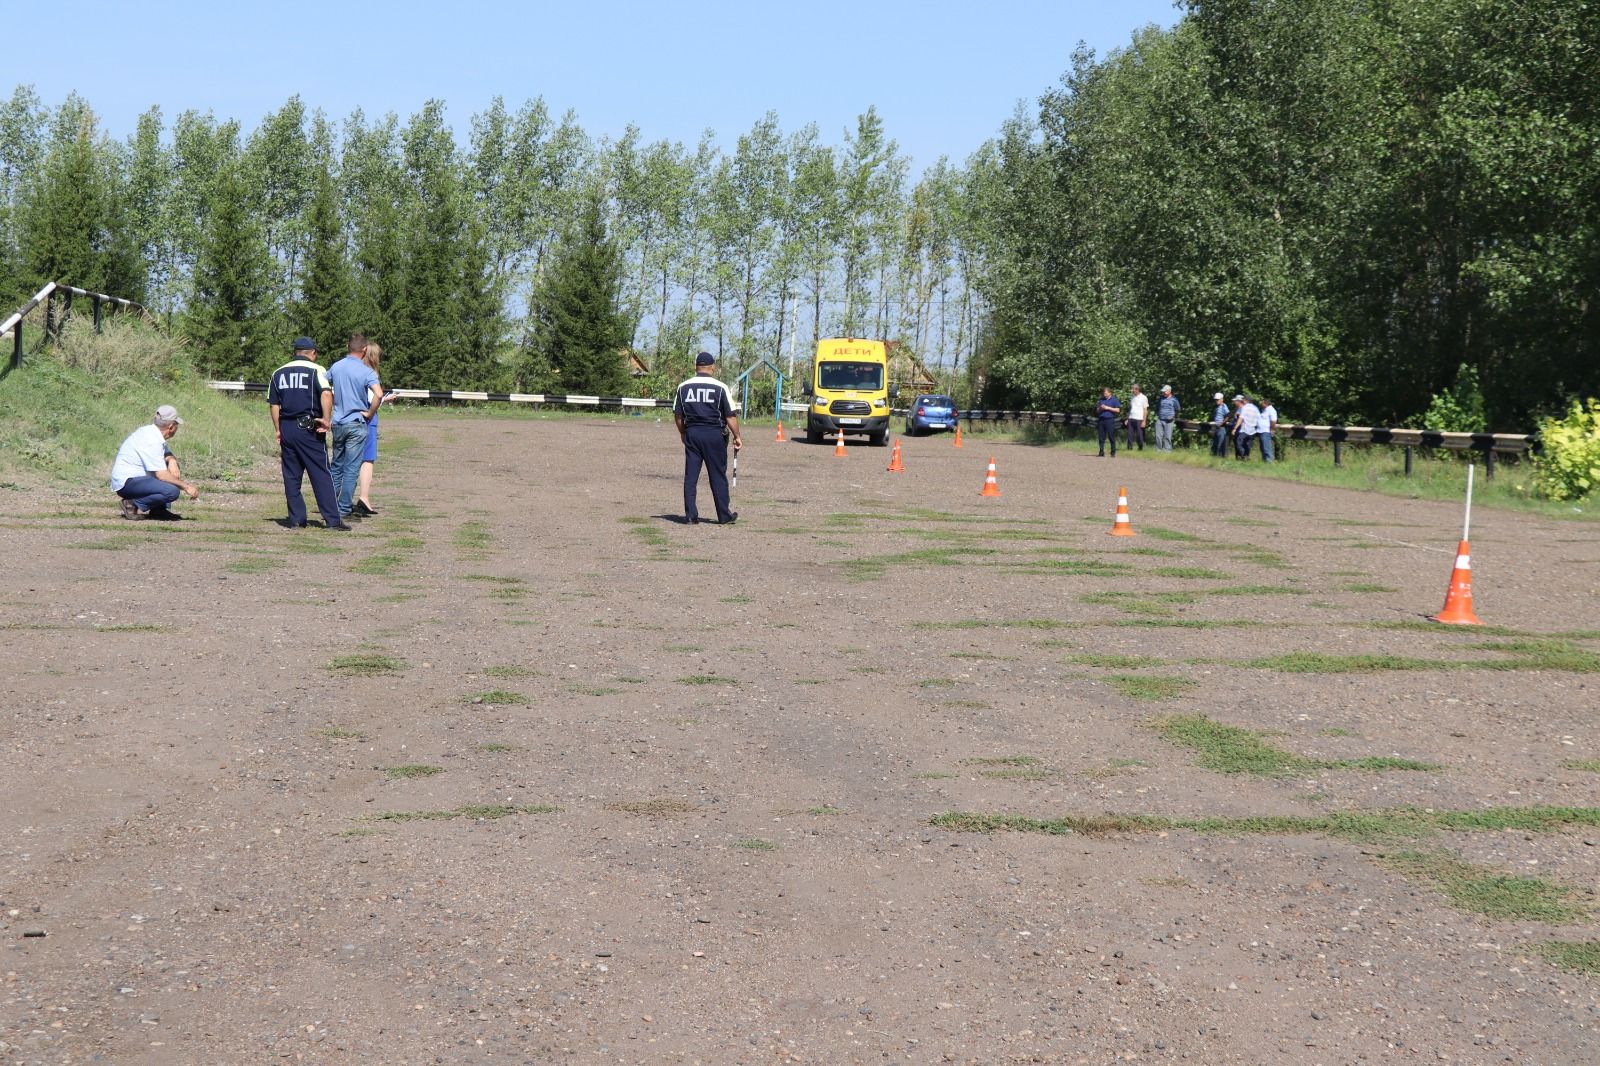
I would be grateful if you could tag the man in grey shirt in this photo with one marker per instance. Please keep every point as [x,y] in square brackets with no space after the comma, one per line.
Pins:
[1167,408]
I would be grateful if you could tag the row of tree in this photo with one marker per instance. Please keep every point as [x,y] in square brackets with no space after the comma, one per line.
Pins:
[448,253]
[1352,208]
[1339,205]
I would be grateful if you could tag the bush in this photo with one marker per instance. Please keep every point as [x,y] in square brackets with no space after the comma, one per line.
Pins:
[1461,409]
[1569,468]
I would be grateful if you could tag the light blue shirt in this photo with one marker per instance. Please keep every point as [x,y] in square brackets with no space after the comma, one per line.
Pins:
[351,379]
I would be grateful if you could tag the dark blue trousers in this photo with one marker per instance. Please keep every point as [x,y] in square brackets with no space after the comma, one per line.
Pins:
[149,493]
[303,452]
[705,445]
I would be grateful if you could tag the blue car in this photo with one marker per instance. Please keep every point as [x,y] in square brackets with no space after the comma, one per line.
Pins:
[929,413]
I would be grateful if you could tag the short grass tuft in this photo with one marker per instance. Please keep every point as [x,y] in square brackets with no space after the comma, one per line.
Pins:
[1480,890]
[410,771]
[366,665]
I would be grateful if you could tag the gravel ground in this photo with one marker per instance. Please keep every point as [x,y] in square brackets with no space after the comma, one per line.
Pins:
[723,747]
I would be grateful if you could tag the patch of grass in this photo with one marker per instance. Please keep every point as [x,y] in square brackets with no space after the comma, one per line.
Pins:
[1543,655]
[824,811]
[1337,731]
[707,679]
[496,749]
[655,808]
[1417,626]
[1591,765]
[1171,534]
[755,844]
[1004,760]
[1231,749]
[593,690]
[1355,826]
[472,537]
[632,680]
[397,597]
[932,775]
[134,627]
[987,623]
[498,696]
[1116,662]
[1154,553]
[253,564]
[383,564]
[1198,573]
[737,599]
[936,682]
[1306,662]
[1071,568]
[366,665]
[1114,768]
[1140,687]
[411,770]
[1186,623]
[1166,882]
[112,544]
[1252,590]
[508,671]
[977,656]
[1479,890]
[1367,586]
[968,705]
[483,811]
[876,566]
[684,648]
[1582,956]
[340,733]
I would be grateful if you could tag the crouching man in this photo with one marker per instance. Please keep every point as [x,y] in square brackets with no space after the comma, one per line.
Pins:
[145,473]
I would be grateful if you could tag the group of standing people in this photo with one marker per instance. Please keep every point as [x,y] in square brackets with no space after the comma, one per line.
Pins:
[1110,421]
[308,404]
[1245,422]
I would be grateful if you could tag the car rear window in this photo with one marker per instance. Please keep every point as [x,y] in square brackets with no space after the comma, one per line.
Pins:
[936,401]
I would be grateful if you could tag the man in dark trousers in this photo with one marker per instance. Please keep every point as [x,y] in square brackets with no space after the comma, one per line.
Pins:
[301,400]
[1107,413]
[701,408]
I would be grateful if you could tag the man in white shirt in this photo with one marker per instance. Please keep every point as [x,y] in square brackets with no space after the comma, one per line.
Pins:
[1266,425]
[1138,417]
[1249,422]
[144,473]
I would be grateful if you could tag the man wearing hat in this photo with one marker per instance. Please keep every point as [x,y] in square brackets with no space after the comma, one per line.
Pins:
[145,474]
[1167,408]
[702,407]
[1244,430]
[1219,425]
[300,398]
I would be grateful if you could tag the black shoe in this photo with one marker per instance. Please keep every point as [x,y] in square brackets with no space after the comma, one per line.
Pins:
[342,527]
[733,516]
[363,510]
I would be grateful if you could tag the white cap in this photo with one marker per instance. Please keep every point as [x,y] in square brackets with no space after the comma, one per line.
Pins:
[1166,388]
[1217,396]
[167,414]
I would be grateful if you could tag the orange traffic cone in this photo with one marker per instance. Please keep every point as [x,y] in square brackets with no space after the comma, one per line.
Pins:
[958,443]
[838,449]
[991,487]
[1458,600]
[780,437]
[1123,526]
[895,466]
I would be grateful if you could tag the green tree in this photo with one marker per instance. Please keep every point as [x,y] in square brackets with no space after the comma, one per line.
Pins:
[229,314]
[326,310]
[581,331]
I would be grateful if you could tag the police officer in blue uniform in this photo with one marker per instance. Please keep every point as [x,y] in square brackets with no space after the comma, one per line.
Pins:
[301,399]
[702,408]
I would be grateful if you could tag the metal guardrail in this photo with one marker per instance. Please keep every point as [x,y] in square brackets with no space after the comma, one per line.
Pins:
[46,296]
[1490,444]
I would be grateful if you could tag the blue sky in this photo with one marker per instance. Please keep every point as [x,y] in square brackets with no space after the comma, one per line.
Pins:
[942,74]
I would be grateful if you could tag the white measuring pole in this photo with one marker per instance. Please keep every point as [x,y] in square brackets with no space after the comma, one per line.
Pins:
[1466,523]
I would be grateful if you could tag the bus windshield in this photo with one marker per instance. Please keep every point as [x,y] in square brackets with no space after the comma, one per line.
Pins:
[861,377]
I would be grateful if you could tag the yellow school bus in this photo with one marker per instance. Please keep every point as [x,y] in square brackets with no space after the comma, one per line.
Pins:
[849,390]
